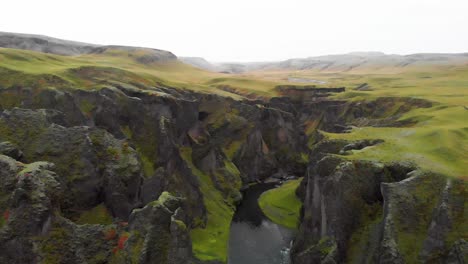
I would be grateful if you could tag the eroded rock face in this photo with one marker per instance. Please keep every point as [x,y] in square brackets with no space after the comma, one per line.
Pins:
[367,212]
[425,206]
[116,150]
[29,195]
[9,149]
[95,167]
[274,143]
[143,160]
[162,232]
[34,232]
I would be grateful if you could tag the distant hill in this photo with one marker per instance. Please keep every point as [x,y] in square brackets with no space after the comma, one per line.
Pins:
[216,67]
[44,44]
[199,63]
[51,45]
[340,62]
[356,60]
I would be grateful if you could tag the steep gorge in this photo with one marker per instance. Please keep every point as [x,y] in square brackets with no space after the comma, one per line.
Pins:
[163,169]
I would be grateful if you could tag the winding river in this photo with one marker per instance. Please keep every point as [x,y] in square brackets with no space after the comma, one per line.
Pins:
[254,239]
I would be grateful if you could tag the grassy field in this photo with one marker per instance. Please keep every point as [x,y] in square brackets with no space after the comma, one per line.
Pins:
[281,204]
[35,69]
[437,142]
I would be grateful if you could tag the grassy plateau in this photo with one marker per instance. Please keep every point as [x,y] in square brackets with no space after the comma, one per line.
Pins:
[437,141]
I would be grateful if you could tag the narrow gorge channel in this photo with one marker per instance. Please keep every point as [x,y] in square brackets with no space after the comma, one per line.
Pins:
[119,175]
[254,239]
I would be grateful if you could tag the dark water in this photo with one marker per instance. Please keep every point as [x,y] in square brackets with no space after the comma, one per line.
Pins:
[254,239]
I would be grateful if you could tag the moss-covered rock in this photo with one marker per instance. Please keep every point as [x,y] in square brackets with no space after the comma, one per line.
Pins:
[159,233]
[341,198]
[378,213]
[33,191]
[120,148]
[91,161]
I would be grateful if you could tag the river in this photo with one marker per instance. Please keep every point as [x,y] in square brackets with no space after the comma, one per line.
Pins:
[254,239]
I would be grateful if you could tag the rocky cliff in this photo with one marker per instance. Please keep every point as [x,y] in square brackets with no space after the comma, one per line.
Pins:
[369,212]
[119,175]
[114,157]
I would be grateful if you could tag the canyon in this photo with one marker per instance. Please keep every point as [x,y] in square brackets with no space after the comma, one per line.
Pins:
[106,165]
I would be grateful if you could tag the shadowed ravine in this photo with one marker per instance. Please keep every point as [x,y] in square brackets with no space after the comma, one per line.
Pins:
[254,239]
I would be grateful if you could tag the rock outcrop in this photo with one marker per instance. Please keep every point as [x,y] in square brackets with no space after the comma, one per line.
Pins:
[33,230]
[116,150]
[367,212]
[29,193]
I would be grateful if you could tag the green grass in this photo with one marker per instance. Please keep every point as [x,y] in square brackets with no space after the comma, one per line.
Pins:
[246,85]
[86,107]
[210,242]
[148,166]
[410,237]
[437,142]
[281,205]
[35,69]
[98,215]
[361,238]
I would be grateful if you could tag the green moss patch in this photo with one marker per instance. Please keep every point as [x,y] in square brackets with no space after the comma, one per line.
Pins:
[439,145]
[210,242]
[86,107]
[148,165]
[98,215]
[411,228]
[51,247]
[458,194]
[365,237]
[281,205]
[232,148]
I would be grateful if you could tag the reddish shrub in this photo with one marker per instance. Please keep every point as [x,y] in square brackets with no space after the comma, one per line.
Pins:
[120,245]
[115,250]
[6,215]
[122,240]
[111,234]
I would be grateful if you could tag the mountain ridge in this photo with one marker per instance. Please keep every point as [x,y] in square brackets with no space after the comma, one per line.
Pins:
[333,62]
[57,46]
[338,62]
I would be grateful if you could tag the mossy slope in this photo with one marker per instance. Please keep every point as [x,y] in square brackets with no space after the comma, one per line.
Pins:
[281,204]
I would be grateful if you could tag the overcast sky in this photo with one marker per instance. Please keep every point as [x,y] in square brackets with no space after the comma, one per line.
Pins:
[249,30]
